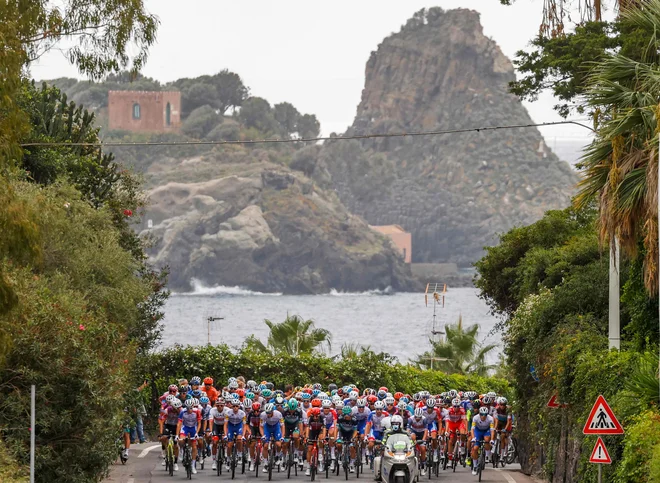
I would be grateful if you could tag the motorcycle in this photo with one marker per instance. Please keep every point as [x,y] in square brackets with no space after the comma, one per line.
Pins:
[398,463]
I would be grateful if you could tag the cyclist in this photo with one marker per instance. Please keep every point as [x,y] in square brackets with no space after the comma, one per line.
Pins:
[219,416]
[329,415]
[294,418]
[455,425]
[167,422]
[234,424]
[188,428]
[253,423]
[503,420]
[434,420]
[347,427]
[272,428]
[482,430]
[206,426]
[375,427]
[315,430]
[418,429]
[211,391]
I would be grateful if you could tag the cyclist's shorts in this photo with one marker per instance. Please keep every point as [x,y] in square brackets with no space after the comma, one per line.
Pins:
[314,434]
[432,426]
[127,429]
[234,430]
[480,435]
[375,435]
[189,431]
[362,425]
[272,432]
[289,431]
[346,437]
[254,431]
[218,429]
[329,426]
[169,429]
[418,436]
[457,427]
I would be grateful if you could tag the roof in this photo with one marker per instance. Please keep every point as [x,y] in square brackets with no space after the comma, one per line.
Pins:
[388,229]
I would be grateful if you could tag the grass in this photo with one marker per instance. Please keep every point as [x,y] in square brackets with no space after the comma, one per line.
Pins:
[10,470]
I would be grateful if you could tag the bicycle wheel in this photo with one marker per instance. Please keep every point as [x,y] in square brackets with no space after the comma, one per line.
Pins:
[233,461]
[289,459]
[271,459]
[481,462]
[512,451]
[495,452]
[346,460]
[327,459]
[220,457]
[257,457]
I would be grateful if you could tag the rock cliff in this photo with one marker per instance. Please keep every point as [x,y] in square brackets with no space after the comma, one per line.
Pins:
[235,216]
[454,192]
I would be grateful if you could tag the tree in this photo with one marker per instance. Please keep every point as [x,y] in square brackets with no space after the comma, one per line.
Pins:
[257,113]
[353,350]
[308,126]
[620,166]
[230,89]
[201,121]
[461,353]
[294,336]
[287,116]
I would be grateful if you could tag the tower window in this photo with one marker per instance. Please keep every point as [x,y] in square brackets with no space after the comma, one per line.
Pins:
[168,114]
[136,111]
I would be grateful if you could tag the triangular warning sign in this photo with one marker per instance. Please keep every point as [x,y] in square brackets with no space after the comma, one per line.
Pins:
[553,403]
[600,454]
[602,420]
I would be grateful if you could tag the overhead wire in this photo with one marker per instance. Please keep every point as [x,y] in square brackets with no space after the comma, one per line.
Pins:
[303,140]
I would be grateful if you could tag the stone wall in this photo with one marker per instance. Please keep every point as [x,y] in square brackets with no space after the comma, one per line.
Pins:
[152,110]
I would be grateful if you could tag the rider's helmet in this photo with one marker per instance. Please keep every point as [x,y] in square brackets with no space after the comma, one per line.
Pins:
[491,394]
[247,404]
[419,413]
[306,396]
[231,379]
[196,381]
[251,384]
[382,395]
[293,405]
[456,402]
[170,398]
[398,395]
[267,393]
[315,412]
[353,395]
[196,393]
[173,388]
[371,399]
[279,400]
[417,397]
[503,401]
[346,410]
[316,392]
[233,385]
[339,405]
[326,403]
[220,401]
[430,403]
[240,392]
[379,405]
[397,423]
[332,387]
[483,411]
[176,404]
[453,393]
[316,403]
[249,395]
[270,407]
[190,403]
[270,385]
[256,406]
[402,406]
[361,403]
[208,381]
[389,400]
[405,399]
[184,388]
[487,400]
[204,400]
[382,388]
[317,385]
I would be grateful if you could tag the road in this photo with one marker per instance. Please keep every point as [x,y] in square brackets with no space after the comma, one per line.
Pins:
[144,466]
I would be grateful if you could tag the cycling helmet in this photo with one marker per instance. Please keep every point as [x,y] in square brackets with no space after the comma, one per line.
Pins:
[234,396]
[170,398]
[453,393]
[176,404]
[208,381]
[332,387]
[219,401]
[398,395]
[270,407]
[279,393]
[190,403]
[396,422]
[389,400]
[249,395]
[361,403]
[346,389]
[417,397]
[333,392]
[487,400]
[267,393]
[196,393]
[323,395]
[233,385]
[371,399]
[419,413]
[353,395]
[196,381]
[306,396]
[483,411]
[456,402]
[316,403]
[503,401]
[346,410]
[317,385]
[315,412]
[405,399]
[231,379]
[204,400]
[251,384]
[184,388]
[326,404]
[403,406]
[383,388]
[256,406]
[173,388]
[240,392]
[430,402]
[247,404]
[382,395]
[293,405]
[279,400]
[491,394]
[270,385]
[339,404]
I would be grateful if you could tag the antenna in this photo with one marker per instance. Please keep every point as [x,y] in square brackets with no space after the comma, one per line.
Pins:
[437,291]
[210,319]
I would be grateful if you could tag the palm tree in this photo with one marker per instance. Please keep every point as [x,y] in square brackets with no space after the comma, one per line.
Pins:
[353,350]
[620,168]
[294,336]
[460,353]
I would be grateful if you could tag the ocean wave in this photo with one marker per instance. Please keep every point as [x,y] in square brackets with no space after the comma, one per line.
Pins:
[386,291]
[200,289]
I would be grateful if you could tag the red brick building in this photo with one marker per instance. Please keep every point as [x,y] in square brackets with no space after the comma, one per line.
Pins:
[144,111]
[401,239]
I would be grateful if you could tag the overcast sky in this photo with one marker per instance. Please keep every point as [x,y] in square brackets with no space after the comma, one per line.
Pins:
[309,53]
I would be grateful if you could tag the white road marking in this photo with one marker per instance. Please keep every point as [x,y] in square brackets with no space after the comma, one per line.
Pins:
[506,475]
[131,480]
[146,450]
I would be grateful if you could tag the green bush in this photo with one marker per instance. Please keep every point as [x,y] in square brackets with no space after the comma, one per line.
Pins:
[641,448]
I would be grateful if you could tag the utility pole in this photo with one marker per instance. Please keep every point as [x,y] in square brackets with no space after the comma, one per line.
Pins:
[614,322]
[32,430]
[208,327]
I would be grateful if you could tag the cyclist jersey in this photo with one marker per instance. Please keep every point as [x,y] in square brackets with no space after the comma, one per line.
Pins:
[292,418]
[418,425]
[392,410]
[171,415]
[189,419]
[434,416]
[272,420]
[316,424]
[483,424]
[455,415]
[502,414]
[330,417]
[347,425]
[218,417]
[361,416]
[377,421]
[205,412]
[212,393]
[236,417]
[254,419]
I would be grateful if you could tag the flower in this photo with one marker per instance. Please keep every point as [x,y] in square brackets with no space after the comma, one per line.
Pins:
[128,212]
[81,327]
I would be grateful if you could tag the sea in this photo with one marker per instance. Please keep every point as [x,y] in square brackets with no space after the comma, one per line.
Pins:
[397,323]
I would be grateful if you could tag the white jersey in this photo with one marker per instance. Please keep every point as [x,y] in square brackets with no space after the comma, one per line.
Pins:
[483,424]
[218,417]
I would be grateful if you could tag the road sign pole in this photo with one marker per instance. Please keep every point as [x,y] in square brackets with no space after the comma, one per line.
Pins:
[32,430]
[600,473]
[614,326]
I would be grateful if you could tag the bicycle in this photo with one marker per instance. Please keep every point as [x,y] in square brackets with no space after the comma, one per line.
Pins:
[418,455]
[290,461]
[314,459]
[186,458]
[512,450]
[481,459]
[375,452]
[258,446]
[271,458]
[233,463]
[220,455]
[122,447]
[360,449]
[497,457]
[169,455]
[327,457]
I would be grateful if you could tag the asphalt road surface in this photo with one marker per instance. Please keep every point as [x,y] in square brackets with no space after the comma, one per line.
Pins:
[144,466]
